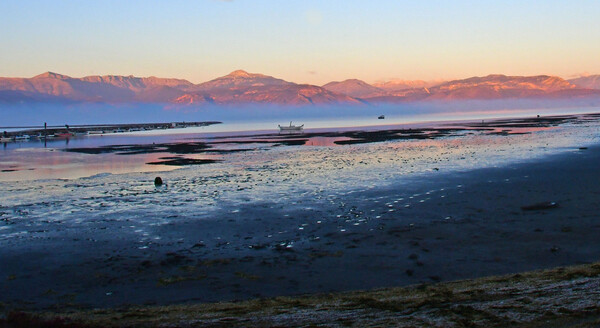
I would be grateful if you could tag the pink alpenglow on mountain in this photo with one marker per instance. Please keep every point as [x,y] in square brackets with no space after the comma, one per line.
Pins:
[493,87]
[355,88]
[110,88]
[499,86]
[398,85]
[587,82]
[241,87]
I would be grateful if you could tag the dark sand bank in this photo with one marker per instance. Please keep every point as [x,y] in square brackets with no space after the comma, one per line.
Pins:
[456,226]
[561,297]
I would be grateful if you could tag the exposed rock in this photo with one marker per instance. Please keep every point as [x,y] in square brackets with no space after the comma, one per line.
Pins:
[540,206]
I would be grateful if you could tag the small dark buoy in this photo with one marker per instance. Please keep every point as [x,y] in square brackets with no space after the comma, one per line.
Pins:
[158,181]
[538,116]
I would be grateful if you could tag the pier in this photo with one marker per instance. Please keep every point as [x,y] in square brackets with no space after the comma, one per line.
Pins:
[23,133]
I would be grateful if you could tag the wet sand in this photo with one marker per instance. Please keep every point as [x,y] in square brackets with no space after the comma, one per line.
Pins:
[457,225]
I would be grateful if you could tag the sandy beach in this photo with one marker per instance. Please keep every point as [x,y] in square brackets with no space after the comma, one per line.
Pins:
[229,231]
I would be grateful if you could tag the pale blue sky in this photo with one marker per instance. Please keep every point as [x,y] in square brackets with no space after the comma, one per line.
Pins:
[302,41]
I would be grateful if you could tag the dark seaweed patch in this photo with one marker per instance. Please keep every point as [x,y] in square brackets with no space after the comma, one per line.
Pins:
[360,137]
[535,122]
[174,148]
[181,161]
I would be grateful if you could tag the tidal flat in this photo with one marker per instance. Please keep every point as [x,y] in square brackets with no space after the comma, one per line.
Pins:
[284,215]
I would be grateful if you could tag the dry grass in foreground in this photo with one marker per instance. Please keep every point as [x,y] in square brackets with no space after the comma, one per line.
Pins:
[561,297]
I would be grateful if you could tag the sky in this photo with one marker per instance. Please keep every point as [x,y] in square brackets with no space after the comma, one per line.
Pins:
[304,41]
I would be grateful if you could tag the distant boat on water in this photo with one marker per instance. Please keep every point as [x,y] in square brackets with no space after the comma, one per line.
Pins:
[291,128]
[381,117]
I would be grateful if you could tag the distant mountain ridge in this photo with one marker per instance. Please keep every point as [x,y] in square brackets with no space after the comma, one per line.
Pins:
[490,87]
[108,88]
[355,88]
[587,82]
[241,87]
[398,85]
[498,86]
[241,79]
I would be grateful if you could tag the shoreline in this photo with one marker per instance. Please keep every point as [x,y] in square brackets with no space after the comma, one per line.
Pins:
[459,225]
[131,154]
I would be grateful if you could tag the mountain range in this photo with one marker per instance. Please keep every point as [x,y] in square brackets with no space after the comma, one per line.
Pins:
[240,87]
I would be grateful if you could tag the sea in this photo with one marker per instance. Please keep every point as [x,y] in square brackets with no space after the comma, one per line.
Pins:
[64,210]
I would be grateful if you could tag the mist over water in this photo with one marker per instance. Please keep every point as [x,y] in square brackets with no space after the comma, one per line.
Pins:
[267,117]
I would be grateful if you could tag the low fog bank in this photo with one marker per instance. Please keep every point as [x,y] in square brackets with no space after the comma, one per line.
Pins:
[73,114]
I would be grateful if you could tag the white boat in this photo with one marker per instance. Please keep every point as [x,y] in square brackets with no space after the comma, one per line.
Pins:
[6,139]
[22,137]
[291,128]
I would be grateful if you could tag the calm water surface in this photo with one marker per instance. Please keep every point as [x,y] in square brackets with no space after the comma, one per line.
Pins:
[39,159]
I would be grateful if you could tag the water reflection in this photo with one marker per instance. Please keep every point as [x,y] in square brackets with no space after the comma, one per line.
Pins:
[325,141]
[51,163]
[46,158]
